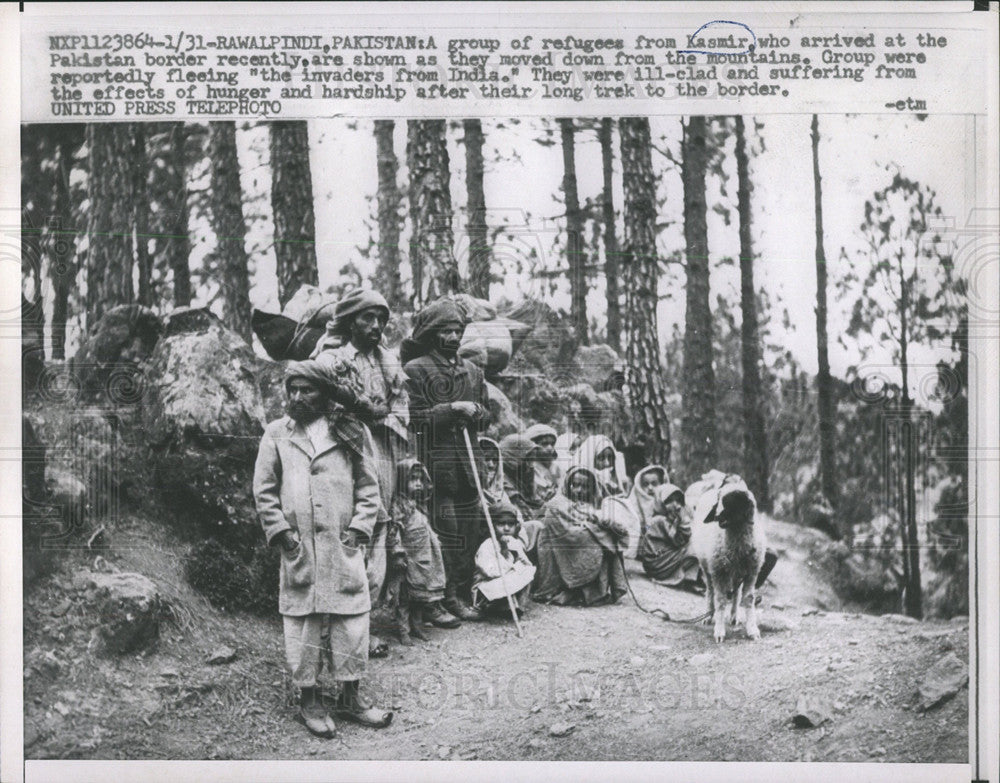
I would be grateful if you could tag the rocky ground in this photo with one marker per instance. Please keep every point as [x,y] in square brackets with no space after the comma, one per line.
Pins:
[602,683]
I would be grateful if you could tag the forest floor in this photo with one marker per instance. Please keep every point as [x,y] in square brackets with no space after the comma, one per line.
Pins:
[608,683]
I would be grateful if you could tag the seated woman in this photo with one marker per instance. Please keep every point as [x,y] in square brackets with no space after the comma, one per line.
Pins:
[579,561]
[493,464]
[511,574]
[598,453]
[640,500]
[547,472]
[663,550]
[519,454]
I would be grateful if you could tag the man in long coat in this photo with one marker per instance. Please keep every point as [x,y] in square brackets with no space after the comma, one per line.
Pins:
[355,335]
[448,395]
[316,493]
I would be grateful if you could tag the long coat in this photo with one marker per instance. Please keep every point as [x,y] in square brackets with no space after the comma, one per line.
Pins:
[320,496]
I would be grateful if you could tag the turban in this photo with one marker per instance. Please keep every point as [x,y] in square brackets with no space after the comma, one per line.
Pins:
[437,314]
[355,302]
[540,430]
[340,381]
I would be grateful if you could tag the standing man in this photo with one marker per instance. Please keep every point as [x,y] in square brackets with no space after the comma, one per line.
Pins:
[317,498]
[354,335]
[447,396]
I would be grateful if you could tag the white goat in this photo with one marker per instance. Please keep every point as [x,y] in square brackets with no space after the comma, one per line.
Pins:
[729,542]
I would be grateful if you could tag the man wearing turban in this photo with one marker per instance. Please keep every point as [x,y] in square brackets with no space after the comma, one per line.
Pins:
[316,492]
[354,335]
[448,395]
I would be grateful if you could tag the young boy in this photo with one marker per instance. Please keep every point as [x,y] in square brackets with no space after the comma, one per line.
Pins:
[510,575]
[417,565]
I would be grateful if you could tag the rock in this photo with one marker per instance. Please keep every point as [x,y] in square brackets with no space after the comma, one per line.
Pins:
[107,364]
[505,420]
[534,743]
[68,494]
[203,421]
[598,366]
[959,618]
[561,729]
[443,751]
[637,660]
[900,619]
[810,712]
[548,347]
[700,659]
[130,610]
[535,709]
[221,655]
[937,634]
[944,679]
[535,398]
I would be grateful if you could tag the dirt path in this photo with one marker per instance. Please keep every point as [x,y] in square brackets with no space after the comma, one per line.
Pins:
[621,684]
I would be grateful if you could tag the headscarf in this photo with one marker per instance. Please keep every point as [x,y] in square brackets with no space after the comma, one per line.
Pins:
[353,303]
[643,505]
[494,491]
[597,490]
[519,470]
[586,455]
[502,508]
[427,322]
[338,379]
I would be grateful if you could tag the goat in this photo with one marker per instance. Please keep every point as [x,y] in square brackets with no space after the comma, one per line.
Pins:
[729,542]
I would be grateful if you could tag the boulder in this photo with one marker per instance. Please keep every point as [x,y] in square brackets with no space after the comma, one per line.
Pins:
[106,367]
[487,344]
[129,606]
[535,398]
[203,418]
[810,712]
[942,681]
[548,347]
[599,366]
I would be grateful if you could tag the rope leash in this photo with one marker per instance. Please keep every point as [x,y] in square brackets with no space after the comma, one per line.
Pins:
[661,613]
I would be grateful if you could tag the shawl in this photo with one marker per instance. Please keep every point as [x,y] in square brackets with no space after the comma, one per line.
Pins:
[586,455]
[334,379]
[641,504]
[494,490]
[519,473]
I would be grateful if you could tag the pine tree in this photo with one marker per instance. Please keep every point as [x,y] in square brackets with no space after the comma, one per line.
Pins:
[612,264]
[292,204]
[640,273]
[479,251]
[576,256]
[755,457]
[432,241]
[230,228]
[698,388]
[389,197]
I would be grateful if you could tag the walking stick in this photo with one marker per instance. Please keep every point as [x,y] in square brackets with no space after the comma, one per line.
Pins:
[489,524]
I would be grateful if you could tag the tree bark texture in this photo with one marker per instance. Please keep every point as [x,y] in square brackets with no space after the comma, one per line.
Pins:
[640,277]
[389,197]
[140,219]
[62,261]
[755,459]
[110,231]
[177,248]
[226,197]
[612,261]
[824,383]
[292,204]
[432,241]
[698,428]
[575,254]
[479,250]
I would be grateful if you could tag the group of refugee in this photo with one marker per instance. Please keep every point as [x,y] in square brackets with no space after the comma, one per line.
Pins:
[380,486]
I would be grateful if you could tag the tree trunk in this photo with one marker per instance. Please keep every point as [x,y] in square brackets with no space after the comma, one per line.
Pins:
[698,384]
[178,245]
[479,250]
[575,255]
[387,271]
[292,203]
[640,272]
[432,242]
[612,263]
[140,219]
[911,553]
[824,383]
[62,263]
[110,232]
[755,432]
[230,229]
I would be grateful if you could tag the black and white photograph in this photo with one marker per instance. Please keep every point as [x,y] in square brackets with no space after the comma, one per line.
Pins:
[619,437]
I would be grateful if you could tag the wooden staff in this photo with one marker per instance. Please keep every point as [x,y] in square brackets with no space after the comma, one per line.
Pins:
[489,524]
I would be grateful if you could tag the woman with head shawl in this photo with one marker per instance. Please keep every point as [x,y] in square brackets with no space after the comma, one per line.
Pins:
[664,549]
[640,500]
[598,453]
[519,455]
[492,479]
[579,548]
[547,472]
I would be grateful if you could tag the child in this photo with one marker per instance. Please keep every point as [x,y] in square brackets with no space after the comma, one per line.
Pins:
[489,590]
[417,564]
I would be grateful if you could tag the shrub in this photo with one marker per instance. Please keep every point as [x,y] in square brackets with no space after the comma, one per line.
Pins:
[232,583]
